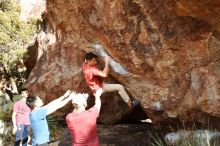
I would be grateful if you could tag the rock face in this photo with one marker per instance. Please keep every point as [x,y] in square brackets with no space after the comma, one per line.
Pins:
[169,50]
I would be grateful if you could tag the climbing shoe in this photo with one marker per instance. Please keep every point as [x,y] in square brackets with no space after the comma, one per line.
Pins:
[133,103]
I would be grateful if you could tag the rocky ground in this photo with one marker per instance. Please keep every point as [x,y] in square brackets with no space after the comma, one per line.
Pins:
[120,135]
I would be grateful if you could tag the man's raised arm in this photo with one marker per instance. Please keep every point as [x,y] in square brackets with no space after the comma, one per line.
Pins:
[105,71]
[97,99]
[106,68]
[60,102]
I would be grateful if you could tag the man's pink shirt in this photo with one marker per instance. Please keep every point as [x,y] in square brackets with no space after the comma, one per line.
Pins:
[23,111]
[82,127]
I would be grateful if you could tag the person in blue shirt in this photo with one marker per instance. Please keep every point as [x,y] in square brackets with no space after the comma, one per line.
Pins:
[38,115]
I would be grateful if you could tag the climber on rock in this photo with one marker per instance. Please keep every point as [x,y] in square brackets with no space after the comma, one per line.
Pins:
[94,76]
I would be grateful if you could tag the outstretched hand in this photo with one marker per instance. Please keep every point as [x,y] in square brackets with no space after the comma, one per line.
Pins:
[99,92]
[72,94]
[14,130]
[86,95]
[68,92]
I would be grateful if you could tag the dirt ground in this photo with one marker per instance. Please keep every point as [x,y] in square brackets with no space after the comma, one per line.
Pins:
[120,135]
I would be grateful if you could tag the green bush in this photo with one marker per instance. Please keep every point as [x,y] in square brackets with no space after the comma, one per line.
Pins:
[15,37]
[14,33]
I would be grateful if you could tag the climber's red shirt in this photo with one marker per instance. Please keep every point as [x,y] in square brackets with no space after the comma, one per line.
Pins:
[92,75]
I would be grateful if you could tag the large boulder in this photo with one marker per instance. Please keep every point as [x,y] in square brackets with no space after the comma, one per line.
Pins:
[169,52]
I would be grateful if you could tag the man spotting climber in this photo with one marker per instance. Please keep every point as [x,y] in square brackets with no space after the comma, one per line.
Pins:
[82,123]
[39,112]
[93,77]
